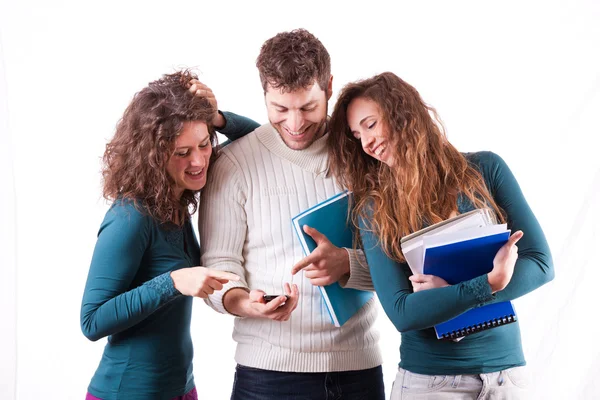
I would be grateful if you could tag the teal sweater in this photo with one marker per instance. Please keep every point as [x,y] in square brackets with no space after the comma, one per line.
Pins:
[129,297]
[414,314]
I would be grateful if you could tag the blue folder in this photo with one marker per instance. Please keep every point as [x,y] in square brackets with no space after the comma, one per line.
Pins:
[330,217]
[461,261]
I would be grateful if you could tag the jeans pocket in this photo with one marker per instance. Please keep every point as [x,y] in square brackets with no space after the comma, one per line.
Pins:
[519,376]
[418,383]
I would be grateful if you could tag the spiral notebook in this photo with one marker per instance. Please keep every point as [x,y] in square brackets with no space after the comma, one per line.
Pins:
[464,255]
[477,320]
[330,218]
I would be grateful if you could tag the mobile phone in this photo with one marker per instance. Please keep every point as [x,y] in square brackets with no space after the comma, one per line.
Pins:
[269,297]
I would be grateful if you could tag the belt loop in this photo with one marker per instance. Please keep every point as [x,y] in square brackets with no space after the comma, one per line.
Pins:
[456,381]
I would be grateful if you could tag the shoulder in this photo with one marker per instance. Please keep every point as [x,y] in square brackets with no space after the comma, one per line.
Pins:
[245,150]
[239,147]
[128,215]
[486,161]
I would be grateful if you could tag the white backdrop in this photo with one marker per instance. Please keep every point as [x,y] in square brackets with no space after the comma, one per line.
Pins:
[519,78]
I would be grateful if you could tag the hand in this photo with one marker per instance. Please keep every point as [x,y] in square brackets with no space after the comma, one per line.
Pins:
[425,282]
[244,304]
[326,264]
[504,263]
[199,89]
[200,281]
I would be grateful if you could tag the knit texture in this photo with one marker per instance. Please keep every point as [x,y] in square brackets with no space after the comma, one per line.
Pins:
[255,188]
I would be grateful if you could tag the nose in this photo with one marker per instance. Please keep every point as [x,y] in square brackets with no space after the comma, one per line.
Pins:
[198,159]
[295,121]
[367,140]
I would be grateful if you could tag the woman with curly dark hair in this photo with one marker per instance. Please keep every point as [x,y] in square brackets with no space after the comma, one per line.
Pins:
[144,272]
[389,148]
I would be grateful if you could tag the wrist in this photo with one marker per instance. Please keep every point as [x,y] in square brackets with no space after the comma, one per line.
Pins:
[175,278]
[219,121]
[346,256]
[493,281]
[236,301]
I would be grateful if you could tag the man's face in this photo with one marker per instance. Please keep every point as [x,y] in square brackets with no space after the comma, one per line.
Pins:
[298,116]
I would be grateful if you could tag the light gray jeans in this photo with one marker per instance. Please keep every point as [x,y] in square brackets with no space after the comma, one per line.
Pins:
[510,384]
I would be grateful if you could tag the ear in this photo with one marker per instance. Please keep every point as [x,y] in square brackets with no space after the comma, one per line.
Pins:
[330,87]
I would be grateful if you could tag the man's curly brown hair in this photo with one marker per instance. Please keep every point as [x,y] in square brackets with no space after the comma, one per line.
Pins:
[135,160]
[293,60]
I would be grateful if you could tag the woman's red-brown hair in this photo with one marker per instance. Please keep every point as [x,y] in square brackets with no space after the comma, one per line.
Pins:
[135,160]
[428,173]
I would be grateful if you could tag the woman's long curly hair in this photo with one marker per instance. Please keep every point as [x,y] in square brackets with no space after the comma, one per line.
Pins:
[428,175]
[135,160]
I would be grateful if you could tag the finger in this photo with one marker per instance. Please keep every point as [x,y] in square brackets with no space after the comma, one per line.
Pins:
[214,284]
[318,237]
[274,304]
[420,278]
[514,238]
[304,263]
[256,296]
[223,281]
[287,289]
[321,281]
[222,275]
[315,273]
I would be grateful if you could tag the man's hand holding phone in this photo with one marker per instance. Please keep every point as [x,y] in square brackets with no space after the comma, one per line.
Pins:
[257,304]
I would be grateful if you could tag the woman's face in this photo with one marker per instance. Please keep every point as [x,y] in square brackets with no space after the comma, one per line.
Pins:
[366,123]
[189,162]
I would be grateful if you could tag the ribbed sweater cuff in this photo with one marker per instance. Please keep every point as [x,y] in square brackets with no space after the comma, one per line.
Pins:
[360,278]
[216,299]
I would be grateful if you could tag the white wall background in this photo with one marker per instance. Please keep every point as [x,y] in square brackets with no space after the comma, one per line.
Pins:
[521,78]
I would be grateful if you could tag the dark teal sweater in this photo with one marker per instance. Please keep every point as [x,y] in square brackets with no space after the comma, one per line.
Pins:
[130,297]
[414,314]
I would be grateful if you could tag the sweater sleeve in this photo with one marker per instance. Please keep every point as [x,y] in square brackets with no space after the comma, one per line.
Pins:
[359,278]
[222,226]
[534,267]
[236,126]
[424,309]
[109,303]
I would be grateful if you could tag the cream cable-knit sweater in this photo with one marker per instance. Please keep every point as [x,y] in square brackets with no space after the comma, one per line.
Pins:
[255,188]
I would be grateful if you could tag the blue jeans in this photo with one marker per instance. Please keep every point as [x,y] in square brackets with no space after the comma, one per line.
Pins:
[259,384]
[510,384]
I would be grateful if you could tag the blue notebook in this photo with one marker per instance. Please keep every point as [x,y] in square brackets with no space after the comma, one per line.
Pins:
[461,261]
[331,219]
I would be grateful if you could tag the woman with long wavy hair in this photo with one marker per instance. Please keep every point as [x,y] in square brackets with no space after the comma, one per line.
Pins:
[389,148]
[144,272]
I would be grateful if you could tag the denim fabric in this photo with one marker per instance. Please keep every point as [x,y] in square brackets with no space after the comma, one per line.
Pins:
[510,384]
[259,384]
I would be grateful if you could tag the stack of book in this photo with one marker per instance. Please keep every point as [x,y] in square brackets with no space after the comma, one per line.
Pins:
[456,250]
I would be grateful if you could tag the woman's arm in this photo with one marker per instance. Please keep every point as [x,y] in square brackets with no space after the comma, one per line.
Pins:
[236,126]
[534,266]
[423,309]
[109,303]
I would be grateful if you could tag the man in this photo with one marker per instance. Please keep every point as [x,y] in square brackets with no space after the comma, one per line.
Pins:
[256,186]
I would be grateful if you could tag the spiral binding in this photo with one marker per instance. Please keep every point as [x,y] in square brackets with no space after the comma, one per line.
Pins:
[507,319]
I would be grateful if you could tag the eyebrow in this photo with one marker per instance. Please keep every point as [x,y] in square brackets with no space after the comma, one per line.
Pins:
[364,119]
[188,147]
[310,103]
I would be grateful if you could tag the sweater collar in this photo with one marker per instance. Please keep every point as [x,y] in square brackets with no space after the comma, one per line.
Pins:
[313,159]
